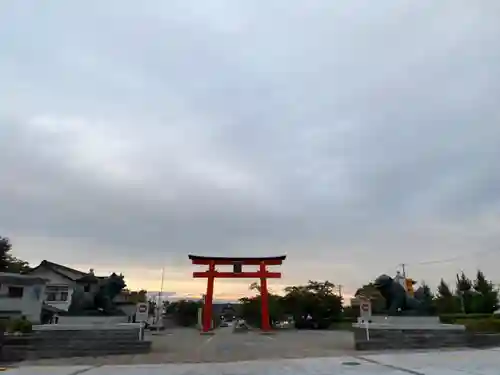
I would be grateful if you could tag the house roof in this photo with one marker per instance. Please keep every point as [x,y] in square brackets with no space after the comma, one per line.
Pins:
[67,272]
[89,279]
[18,279]
[52,309]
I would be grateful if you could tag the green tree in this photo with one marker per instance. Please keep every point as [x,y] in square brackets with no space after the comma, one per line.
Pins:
[5,248]
[8,262]
[444,290]
[445,301]
[255,286]
[464,292]
[134,296]
[427,299]
[184,312]
[315,299]
[251,307]
[377,301]
[485,298]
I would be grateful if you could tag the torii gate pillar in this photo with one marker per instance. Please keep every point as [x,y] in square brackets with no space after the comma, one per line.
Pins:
[237,262]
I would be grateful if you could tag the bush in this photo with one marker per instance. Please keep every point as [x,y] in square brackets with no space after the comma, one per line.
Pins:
[19,325]
[3,325]
[489,325]
[341,326]
[312,324]
[349,319]
[453,318]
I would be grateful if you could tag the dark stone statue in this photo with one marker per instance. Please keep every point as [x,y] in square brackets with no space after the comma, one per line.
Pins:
[108,290]
[398,302]
[94,296]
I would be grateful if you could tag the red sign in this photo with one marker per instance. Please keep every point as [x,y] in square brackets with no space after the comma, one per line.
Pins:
[143,308]
[365,307]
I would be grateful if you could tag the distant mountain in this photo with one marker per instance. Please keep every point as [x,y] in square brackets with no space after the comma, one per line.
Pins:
[172,296]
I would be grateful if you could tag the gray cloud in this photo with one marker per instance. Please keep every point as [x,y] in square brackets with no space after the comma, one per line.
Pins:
[352,137]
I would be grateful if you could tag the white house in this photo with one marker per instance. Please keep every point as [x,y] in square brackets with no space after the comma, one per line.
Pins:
[61,283]
[21,295]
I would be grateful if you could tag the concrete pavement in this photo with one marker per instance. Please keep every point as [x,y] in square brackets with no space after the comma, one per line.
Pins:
[188,346]
[463,362]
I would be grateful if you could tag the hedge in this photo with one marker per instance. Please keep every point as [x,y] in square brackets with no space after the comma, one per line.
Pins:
[16,325]
[453,318]
[488,325]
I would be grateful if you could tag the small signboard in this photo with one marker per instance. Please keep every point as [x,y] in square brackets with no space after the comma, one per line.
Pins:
[237,267]
[365,309]
[141,313]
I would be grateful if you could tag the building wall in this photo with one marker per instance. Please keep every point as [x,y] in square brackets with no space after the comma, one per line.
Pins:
[56,280]
[29,305]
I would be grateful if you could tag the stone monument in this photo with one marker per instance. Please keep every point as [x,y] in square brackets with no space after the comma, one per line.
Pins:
[94,295]
[398,301]
[407,323]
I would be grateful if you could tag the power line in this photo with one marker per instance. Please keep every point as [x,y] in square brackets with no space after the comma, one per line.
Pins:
[458,257]
[404,266]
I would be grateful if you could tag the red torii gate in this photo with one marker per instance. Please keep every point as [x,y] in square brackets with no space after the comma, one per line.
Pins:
[237,262]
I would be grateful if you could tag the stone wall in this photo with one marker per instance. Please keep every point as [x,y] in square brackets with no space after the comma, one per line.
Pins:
[109,320]
[400,339]
[483,340]
[57,343]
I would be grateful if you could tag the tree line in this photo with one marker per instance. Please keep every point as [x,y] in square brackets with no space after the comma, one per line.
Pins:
[8,262]
[468,296]
[314,304]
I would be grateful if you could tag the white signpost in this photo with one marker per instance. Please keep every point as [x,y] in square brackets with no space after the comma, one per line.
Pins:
[365,309]
[142,312]
[365,313]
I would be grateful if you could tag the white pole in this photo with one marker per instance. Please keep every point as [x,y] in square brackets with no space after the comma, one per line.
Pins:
[160,295]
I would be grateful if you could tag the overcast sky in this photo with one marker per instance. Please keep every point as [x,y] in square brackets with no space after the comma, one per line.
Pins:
[350,135]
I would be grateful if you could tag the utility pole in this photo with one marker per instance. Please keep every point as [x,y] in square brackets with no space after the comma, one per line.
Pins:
[403,266]
[159,306]
[340,290]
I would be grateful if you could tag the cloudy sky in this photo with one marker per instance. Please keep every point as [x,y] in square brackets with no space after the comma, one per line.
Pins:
[351,136]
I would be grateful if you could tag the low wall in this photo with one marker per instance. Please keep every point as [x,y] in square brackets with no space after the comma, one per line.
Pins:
[381,339]
[483,340]
[400,339]
[64,319]
[86,327]
[76,341]
[419,321]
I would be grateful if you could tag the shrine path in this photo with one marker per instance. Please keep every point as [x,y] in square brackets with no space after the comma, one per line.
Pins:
[188,346]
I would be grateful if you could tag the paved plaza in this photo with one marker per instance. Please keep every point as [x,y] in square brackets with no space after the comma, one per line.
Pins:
[466,362]
[185,351]
[182,345]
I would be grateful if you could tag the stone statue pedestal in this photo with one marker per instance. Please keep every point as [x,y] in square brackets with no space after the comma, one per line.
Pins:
[407,332]
[408,322]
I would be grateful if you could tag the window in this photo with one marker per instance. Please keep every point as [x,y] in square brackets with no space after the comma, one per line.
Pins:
[86,288]
[16,292]
[55,293]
